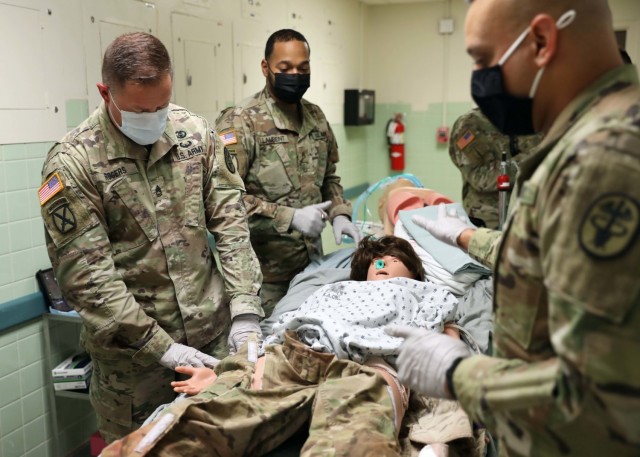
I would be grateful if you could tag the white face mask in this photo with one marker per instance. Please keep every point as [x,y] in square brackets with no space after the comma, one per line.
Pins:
[143,128]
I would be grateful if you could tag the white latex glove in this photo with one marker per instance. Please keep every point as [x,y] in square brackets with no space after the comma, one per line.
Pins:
[425,357]
[447,227]
[311,219]
[343,226]
[179,354]
[242,326]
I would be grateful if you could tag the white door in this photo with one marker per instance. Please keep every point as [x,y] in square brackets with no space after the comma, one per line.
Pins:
[252,79]
[103,22]
[203,80]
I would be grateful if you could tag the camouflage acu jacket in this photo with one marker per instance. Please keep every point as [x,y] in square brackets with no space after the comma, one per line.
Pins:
[565,379]
[283,167]
[126,231]
[476,149]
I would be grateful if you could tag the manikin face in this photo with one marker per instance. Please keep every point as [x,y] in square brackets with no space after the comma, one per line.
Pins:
[387,267]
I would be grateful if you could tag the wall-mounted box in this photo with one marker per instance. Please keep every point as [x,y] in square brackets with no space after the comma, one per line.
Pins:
[359,107]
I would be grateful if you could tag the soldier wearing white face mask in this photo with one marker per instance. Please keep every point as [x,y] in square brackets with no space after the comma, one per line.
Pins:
[127,201]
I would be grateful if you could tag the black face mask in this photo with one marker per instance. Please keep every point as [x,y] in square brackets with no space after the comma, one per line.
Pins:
[511,115]
[290,87]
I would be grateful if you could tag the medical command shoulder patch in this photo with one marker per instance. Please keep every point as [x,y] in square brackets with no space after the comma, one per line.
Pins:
[465,140]
[610,226]
[51,187]
[228,138]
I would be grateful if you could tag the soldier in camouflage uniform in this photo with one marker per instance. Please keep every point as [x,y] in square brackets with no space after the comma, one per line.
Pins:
[286,153]
[476,148]
[564,378]
[127,201]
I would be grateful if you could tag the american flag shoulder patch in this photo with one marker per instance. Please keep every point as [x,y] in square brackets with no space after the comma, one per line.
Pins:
[465,140]
[228,137]
[51,186]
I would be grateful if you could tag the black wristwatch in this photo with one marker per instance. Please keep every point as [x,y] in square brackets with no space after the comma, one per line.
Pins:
[449,376]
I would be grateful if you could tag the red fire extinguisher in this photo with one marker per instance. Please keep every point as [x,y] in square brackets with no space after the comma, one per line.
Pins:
[395,137]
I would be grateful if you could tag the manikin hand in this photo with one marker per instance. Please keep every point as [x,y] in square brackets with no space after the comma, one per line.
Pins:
[200,378]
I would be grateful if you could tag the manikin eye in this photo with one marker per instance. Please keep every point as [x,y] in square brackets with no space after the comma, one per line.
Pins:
[379,264]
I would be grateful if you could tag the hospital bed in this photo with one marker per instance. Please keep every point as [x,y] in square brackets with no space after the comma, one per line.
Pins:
[474,291]
[427,420]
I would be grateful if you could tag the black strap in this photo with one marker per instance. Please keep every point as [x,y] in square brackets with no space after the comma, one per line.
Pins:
[513,146]
[449,376]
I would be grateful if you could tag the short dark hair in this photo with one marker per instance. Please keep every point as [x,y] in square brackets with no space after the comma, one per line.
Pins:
[370,249]
[283,35]
[136,56]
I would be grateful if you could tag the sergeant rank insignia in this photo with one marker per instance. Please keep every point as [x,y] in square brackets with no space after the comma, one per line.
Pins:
[610,226]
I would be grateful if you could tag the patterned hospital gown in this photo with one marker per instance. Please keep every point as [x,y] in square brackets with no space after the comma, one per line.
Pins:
[348,318]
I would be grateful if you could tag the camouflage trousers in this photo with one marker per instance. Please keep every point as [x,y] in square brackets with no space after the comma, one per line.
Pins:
[346,406]
[124,394]
[271,293]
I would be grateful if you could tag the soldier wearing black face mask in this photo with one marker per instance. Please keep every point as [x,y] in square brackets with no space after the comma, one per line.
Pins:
[286,153]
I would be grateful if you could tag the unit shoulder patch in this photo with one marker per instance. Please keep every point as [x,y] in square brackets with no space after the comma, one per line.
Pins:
[609,226]
[229,161]
[63,216]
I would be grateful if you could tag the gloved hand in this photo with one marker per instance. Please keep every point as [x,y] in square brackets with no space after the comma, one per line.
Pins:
[179,354]
[242,326]
[425,357]
[343,226]
[310,220]
[447,227]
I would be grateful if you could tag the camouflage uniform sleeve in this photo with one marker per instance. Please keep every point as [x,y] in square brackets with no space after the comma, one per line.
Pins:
[80,252]
[227,221]
[484,245]
[488,387]
[240,123]
[477,162]
[589,251]
[331,188]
